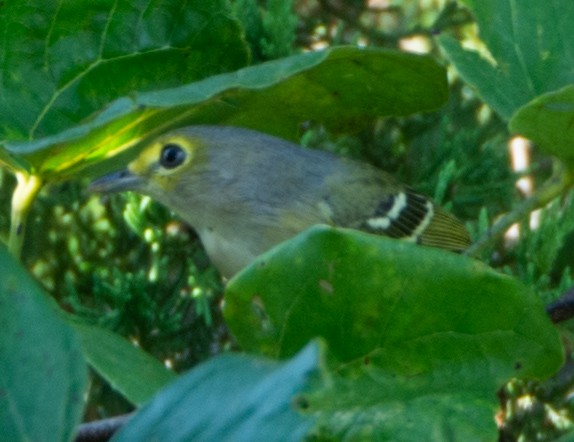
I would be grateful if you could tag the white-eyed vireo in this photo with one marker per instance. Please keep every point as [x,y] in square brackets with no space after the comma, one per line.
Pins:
[244,191]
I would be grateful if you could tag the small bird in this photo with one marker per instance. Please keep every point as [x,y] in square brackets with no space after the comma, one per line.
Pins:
[244,192]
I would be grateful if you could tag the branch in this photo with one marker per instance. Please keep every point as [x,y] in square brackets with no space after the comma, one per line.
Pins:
[102,430]
[450,16]
[563,308]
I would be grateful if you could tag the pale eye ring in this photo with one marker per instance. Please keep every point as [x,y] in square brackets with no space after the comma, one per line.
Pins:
[172,155]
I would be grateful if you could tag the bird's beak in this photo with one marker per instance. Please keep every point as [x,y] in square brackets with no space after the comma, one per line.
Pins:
[116,182]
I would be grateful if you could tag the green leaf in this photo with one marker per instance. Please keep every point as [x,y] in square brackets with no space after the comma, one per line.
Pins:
[64,60]
[413,309]
[340,86]
[128,369]
[405,325]
[43,374]
[376,406]
[547,120]
[230,398]
[531,46]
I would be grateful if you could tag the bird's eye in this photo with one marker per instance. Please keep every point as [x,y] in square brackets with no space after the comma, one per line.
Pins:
[172,155]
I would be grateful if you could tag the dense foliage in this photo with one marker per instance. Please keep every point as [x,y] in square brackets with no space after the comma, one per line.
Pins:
[364,338]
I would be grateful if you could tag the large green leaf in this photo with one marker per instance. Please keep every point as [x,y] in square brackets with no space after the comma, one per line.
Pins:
[131,371]
[230,398]
[532,47]
[547,120]
[407,327]
[340,86]
[412,309]
[42,371]
[64,60]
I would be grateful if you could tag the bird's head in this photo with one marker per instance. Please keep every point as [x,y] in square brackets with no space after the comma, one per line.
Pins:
[157,169]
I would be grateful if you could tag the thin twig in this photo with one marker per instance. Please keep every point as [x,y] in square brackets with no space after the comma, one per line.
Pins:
[552,189]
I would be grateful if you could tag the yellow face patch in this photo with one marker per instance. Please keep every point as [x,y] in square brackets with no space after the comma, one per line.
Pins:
[149,162]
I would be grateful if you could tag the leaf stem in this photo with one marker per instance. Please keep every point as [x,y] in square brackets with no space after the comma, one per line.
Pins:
[27,188]
[555,186]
